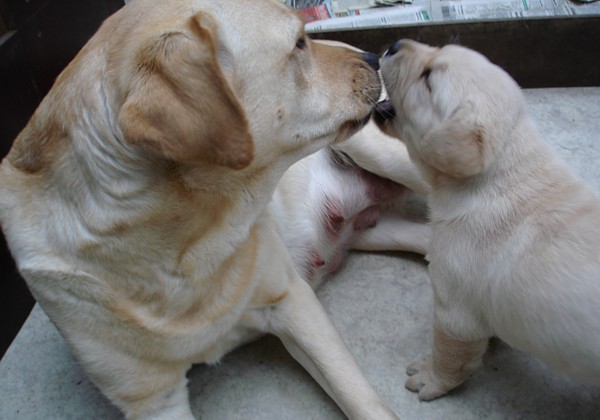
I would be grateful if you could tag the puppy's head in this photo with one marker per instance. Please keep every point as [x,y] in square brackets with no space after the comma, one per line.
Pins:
[452,107]
[231,84]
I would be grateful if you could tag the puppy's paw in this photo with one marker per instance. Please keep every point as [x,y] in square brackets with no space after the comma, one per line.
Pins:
[424,381]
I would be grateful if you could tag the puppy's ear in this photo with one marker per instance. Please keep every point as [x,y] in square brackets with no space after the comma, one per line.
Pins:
[181,107]
[456,146]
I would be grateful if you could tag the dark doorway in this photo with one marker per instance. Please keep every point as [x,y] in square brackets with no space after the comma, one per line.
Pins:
[38,38]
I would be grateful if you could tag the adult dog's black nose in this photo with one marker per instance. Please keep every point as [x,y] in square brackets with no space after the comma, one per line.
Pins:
[395,47]
[371,59]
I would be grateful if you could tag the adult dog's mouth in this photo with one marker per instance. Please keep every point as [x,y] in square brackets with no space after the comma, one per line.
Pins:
[358,124]
[352,127]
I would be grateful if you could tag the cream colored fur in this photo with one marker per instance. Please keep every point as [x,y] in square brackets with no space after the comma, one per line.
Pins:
[135,200]
[516,236]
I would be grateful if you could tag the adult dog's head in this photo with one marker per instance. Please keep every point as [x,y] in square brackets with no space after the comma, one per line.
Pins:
[231,85]
[207,82]
[452,107]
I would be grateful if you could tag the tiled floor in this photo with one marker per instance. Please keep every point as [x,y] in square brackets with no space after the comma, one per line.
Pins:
[382,305]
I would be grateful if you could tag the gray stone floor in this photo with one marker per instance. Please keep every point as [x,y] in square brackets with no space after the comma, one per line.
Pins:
[382,305]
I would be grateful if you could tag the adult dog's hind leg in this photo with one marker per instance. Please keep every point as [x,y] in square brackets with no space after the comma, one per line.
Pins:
[142,385]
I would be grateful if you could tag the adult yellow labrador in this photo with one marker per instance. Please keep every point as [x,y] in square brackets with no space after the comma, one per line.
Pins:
[515,249]
[134,201]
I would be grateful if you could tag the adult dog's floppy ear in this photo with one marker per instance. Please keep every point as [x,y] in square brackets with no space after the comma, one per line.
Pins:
[181,106]
[456,146]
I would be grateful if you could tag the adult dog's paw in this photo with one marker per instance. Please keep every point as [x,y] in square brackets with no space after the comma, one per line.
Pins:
[424,381]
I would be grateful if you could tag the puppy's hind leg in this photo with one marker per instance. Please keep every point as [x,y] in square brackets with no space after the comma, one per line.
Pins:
[305,329]
[450,364]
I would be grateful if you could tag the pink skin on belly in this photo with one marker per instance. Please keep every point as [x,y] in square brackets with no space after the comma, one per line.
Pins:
[315,262]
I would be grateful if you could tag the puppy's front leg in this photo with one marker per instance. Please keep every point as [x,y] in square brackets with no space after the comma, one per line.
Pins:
[450,364]
[302,324]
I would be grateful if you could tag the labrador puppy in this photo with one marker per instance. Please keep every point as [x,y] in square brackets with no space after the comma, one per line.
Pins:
[515,249]
[135,201]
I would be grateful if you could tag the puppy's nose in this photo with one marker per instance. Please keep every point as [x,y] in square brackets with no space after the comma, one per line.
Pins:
[383,111]
[371,59]
[385,108]
[395,47]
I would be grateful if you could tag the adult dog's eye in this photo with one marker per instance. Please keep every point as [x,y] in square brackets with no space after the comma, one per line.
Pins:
[301,43]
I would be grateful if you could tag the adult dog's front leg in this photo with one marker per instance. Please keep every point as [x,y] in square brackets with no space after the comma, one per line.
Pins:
[385,156]
[306,330]
[395,233]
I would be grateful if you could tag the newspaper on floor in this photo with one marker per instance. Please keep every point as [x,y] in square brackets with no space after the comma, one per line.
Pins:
[326,9]
[332,15]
